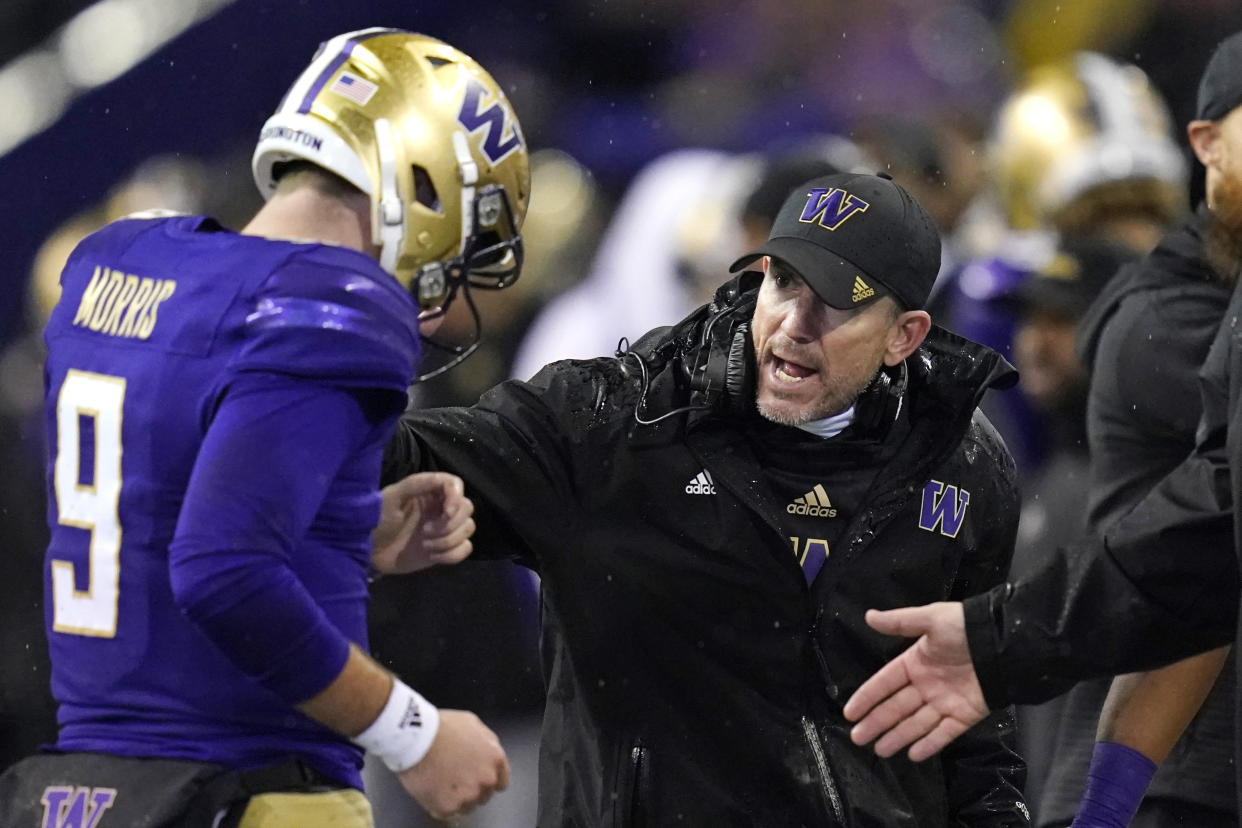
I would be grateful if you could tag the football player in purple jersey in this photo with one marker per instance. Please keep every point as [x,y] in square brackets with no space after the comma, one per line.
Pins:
[217,404]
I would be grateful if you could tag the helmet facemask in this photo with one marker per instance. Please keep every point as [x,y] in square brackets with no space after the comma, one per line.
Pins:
[491,259]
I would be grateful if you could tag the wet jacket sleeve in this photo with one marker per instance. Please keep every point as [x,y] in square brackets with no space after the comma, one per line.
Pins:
[511,452]
[1160,586]
[984,774]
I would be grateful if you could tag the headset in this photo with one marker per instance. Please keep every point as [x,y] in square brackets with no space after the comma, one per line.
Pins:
[720,370]
[879,404]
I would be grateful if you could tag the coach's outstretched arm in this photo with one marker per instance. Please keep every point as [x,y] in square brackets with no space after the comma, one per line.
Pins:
[1100,607]
[927,696]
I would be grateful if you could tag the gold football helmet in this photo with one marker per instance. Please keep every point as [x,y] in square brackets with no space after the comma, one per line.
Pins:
[1081,136]
[423,130]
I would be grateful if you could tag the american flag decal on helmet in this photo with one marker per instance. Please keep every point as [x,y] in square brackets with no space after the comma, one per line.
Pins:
[358,90]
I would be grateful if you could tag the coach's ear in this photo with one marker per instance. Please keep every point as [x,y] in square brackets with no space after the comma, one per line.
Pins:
[907,333]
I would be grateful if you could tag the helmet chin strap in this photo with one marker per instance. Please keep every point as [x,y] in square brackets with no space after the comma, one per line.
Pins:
[389,225]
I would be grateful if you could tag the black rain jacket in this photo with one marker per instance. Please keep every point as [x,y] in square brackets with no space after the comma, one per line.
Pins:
[692,676]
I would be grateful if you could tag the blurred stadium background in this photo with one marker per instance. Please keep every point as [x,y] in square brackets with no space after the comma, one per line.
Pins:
[91,91]
[111,106]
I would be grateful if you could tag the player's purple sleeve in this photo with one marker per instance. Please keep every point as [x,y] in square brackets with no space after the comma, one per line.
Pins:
[268,459]
[1116,782]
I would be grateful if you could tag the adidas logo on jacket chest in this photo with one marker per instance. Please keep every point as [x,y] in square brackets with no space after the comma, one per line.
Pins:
[942,507]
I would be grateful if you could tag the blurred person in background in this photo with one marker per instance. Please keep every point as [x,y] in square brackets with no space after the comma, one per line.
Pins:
[1048,306]
[712,232]
[709,510]
[941,158]
[634,280]
[784,168]
[216,404]
[1145,340]
[1082,147]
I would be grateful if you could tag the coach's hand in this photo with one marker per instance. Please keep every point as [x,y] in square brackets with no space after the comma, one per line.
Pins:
[461,771]
[426,519]
[928,695]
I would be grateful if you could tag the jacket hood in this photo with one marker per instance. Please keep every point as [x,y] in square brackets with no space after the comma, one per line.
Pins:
[1178,257]
[956,371]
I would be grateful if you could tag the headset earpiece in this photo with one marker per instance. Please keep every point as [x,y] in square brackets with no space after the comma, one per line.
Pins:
[721,370]
[739,381]
[879,405]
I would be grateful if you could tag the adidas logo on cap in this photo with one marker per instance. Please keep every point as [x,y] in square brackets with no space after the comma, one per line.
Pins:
[814,503]
[862,290]
[701,484]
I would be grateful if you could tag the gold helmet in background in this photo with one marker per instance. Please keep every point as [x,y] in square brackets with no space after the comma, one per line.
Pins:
[423,130]
[1082,138]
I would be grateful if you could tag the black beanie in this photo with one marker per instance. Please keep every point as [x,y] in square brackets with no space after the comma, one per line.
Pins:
[1220,88]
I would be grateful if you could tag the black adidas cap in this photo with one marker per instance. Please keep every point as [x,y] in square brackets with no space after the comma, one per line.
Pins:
[853,238]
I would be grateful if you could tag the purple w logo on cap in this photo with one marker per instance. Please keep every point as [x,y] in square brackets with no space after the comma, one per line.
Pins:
[831,207]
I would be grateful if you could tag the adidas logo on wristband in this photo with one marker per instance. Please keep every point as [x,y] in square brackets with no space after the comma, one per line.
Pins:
[403,732]
[412,717]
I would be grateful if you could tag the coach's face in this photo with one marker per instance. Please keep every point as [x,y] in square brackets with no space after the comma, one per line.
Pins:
[813,360]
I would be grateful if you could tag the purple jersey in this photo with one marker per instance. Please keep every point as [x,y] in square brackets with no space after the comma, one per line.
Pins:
[210,537]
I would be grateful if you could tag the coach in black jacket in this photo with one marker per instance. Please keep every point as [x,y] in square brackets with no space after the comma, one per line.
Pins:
[705,567]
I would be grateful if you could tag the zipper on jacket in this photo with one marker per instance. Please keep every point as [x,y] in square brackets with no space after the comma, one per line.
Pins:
[830,685]
[827,785]
[633,817]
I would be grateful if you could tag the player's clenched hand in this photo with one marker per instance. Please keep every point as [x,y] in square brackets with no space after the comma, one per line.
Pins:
[461,771]
[929,695]
[426,519]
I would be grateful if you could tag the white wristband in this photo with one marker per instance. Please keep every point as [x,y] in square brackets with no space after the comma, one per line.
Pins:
[403,732]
